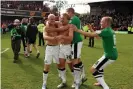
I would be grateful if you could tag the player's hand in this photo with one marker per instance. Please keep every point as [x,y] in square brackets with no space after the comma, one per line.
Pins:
[59,37]
[73,27]
[90,28]
[64,28]
[97,37]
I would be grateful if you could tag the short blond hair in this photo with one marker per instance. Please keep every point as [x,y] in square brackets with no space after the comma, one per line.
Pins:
[66,15]
[108,19]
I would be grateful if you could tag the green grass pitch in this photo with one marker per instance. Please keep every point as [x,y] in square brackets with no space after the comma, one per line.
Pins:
[27,74]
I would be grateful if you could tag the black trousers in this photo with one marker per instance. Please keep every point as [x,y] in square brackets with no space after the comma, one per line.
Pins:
[129,32]
[4,30]
[16,48]
[24,41]
[41,38]
[91,42]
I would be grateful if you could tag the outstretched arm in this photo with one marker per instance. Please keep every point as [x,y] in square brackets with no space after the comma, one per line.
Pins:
[93,34]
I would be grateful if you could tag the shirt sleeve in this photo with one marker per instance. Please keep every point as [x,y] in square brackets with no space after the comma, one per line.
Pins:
[103,33]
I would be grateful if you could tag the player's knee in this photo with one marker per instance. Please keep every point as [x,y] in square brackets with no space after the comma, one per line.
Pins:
[46,68]
[92,70]
[61,69]
[80,64]
[60,66]
[45,72]
[76,67]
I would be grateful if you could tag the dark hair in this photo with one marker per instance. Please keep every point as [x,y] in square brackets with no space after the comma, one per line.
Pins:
[71,10]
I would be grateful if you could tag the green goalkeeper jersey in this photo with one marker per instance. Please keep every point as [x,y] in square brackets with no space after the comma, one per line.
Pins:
[109,43]
[76,36]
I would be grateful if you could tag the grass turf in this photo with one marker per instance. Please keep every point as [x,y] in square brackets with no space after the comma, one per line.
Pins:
[27,73]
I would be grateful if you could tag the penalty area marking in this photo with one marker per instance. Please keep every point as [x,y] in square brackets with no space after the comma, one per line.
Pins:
[5,50]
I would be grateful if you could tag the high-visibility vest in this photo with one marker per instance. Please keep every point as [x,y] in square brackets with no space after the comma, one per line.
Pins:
[129,28]
[85,28]
[40,27]
[132,29]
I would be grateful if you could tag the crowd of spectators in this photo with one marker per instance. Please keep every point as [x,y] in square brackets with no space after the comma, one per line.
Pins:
[24,5]
[120,20]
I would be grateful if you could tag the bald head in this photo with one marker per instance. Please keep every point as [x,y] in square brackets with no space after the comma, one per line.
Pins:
[51,19]
[51,16]
[106,22]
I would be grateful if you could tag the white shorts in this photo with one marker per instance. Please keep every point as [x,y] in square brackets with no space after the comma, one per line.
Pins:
[102,63]
[51,54]
[76,50]
[65,52]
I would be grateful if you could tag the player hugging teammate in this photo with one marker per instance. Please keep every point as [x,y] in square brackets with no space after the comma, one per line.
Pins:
[64,45]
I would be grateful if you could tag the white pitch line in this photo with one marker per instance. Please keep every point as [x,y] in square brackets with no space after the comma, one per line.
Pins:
[5,50]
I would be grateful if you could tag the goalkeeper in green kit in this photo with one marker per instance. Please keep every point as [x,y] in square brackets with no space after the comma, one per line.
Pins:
[110,52]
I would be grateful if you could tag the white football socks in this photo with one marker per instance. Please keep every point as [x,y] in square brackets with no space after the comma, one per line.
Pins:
[45,76]
[77,75]
[102,82]
[63,75]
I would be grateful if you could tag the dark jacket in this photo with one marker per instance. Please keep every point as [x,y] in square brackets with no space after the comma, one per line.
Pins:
[31,31]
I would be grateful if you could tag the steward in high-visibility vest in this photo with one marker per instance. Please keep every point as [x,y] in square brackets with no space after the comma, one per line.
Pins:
[129,29]
[132,30]
[40,29]
[85,28]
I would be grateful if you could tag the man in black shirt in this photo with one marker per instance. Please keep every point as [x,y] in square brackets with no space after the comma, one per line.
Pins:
[31,34]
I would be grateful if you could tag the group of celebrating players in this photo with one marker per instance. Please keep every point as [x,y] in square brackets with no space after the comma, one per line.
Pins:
[64,44]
